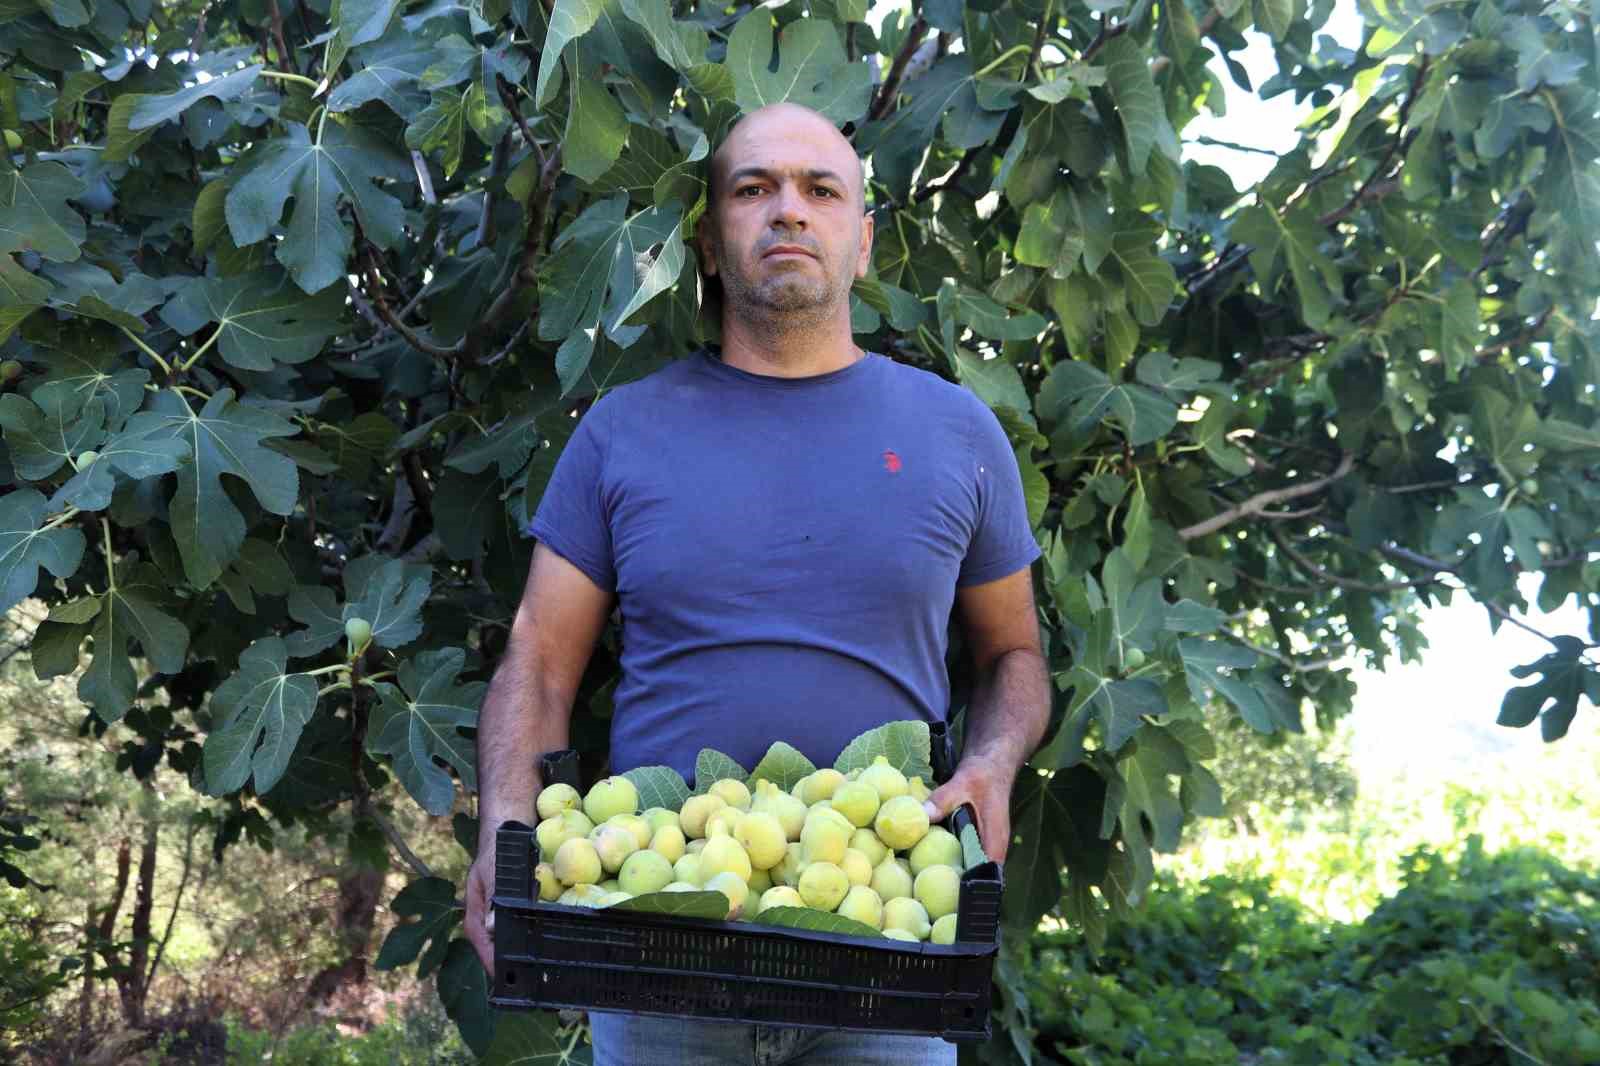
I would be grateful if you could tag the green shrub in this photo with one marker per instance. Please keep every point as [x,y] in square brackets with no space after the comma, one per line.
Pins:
[417,1037]
[1481,959]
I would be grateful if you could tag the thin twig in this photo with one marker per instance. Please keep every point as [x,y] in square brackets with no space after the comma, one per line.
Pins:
[497,165]
[949,179]
[392,835]
[1525,335]
[1108,30]
[1258,503]
[188,865]
[1422,486]
[1219,143]
[1394,146]
[1328,577]
[1406,555]
[1282,590]
[1038,39]
[375,283]
[365,309]
[516,339]
[1301,667]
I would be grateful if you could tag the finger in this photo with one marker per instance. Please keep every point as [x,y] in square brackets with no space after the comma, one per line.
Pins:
[944,799]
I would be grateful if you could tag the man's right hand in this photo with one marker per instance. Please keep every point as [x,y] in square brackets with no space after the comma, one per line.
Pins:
[480,919]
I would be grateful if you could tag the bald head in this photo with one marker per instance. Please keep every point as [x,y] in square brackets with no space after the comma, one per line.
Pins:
[747,139]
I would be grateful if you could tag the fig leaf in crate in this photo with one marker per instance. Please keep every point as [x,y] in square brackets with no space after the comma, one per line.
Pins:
[532,1038]
[904,744]
[713,766]
[659,786]
[783,766]
[683,904]
[972,852]
[814,920]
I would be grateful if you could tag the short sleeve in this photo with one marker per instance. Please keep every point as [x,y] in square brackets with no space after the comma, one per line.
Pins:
[572,518]
[1002,539]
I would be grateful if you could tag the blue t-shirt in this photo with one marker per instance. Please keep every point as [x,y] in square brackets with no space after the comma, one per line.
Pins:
[785,551]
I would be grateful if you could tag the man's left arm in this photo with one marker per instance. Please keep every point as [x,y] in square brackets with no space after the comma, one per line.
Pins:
[1009,709]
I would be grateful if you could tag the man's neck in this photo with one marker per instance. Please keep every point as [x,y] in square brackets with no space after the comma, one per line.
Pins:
[760,347]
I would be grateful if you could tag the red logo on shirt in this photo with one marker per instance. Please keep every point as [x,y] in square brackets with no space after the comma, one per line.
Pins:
[891,462]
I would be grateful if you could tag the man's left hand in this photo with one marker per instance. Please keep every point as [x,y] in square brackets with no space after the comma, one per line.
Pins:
[988,788]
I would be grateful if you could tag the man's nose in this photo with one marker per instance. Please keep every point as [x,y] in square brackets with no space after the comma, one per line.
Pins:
[789,208]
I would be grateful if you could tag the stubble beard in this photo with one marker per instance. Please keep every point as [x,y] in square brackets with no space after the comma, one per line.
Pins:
[784,302]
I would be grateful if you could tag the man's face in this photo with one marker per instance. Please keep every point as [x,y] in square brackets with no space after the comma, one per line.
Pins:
[787,232]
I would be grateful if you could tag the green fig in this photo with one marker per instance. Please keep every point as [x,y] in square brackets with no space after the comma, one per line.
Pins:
[357,635]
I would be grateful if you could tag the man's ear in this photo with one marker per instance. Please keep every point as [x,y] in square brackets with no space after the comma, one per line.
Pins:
[703,246]
[864,256]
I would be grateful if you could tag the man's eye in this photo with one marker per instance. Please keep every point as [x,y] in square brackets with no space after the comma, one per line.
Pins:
[826,192]
[747,189]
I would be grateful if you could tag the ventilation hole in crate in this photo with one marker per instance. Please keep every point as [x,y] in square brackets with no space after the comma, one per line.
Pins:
[511,977]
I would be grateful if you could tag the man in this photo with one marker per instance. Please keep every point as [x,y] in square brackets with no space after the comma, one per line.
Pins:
[786,526]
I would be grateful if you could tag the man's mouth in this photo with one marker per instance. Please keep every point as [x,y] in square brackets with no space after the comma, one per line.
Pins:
[788,249]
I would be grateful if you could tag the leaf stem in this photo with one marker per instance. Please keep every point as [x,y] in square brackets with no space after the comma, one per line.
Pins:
[336,686]
[379,676]
[198,352]
[196,392]
[319,671]
[1002,57]
[61,519]
[134,337]
[322,120]
[299,79]
[111,577]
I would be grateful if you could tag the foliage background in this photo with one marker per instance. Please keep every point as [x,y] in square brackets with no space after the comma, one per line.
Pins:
[302,302]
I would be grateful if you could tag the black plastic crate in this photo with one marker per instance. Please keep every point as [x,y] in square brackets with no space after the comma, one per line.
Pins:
[550,956]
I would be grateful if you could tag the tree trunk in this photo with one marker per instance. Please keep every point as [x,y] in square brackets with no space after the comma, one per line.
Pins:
[100,936]
[132,985]
[359,890]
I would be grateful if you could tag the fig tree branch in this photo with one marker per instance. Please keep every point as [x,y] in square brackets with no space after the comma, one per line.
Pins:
[526,273]
[285,57]
[1258,504]
[897,71]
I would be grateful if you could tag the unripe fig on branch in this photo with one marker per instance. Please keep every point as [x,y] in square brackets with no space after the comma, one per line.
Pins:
[357,635]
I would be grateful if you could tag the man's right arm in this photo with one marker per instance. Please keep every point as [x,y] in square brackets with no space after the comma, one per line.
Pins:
[528,708]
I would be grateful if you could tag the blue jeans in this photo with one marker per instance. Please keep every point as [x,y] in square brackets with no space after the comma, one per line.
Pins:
[641,1040]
